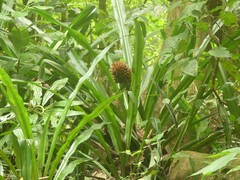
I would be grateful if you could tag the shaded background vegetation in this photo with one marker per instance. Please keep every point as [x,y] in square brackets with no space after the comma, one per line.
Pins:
[62,115]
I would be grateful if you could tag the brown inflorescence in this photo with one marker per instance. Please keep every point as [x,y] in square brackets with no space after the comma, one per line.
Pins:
[121,72]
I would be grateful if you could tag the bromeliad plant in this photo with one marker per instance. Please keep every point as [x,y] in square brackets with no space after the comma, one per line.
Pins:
[51,116]
[71,108]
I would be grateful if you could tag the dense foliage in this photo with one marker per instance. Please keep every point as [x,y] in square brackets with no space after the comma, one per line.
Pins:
[114,89]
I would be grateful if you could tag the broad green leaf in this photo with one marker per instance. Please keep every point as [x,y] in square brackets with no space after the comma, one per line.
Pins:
[228,18]
[189,67]
[220,52]
[192,9]
[203,26]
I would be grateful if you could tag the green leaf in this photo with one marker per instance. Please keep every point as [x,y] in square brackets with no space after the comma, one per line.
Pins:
[1,3]
[190,67]
[155,138]
[7,46]
[43,143]
[45,8]
[70,168]
[237,168]
[192,9]
[120,17]
[16,102]
[220,52]
[228,18]
[96,112]
[203,26]
[26,159]
[217,164]
[37,93]
[80,38]
[17,14]
[229,97]
[56,86]
[166,101]
[137,64]
[84,136]
[232,69]
[84,17]
[98,164]
[136,79]
[20,39]
[69,102]
[8,162]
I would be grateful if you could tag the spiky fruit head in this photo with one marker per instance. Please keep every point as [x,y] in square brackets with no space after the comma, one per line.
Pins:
[121,72]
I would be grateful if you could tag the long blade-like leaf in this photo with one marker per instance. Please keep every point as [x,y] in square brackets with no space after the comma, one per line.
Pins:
[16,102]
[99,109]
[135,81]
[120,17]
[69,102]
[26,157]
[84,17]
[80,139]
[10,165]
[81,39]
